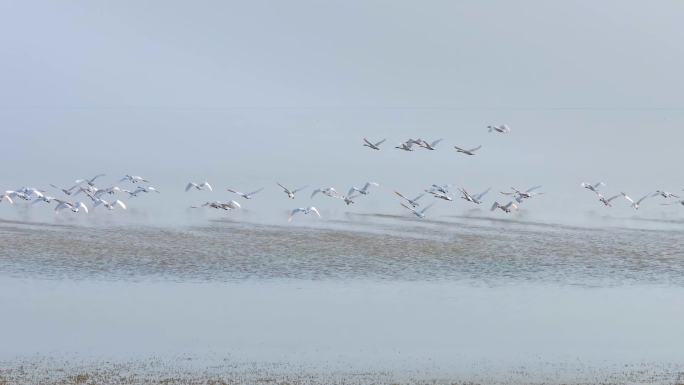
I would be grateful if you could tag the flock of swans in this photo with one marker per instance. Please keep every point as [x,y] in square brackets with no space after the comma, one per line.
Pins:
[86,187]
[634,204]
[134,185]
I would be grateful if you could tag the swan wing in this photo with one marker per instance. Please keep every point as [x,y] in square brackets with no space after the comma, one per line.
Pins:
[630,200]
[482,194]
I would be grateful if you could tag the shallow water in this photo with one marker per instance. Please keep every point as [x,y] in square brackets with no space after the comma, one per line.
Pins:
[391,250]
[444,328]
[487,301]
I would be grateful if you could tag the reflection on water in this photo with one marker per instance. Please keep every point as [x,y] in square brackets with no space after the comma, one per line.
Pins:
[377,249]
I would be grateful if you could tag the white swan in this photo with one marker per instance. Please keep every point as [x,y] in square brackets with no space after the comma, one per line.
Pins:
[505,208]
[43,198]
[637,204]
[6,197]
[290,193]
[467,152]
[68,191]
[328,191]
[606,201]
[374,146]
[428,146]
[134,179]
[413,202]
[230,205]
[592,187]
[665,194]
[522,195]
[247,195]
[139,190]
[406,146]
[440,195]
[504,129]
[420,214]
[110,205]
[75,207]
[349,199]
[364,190]
[444,189]
[477,199]
[89,181]
[201,186]
[305,211]
[17,194]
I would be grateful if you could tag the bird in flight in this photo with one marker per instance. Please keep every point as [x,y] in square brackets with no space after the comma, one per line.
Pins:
[606,201]
[504,129]
[89,181]
[364,190]
[134,179]
[374,146]
[305,211]
[477,199]
[426,145]
[202,186]
[592,187]
[406,146]
[467,152]
[505,208]
[637,204]
[522,195]
[246,196]
[290,193]
[413,202]
[329,191]
[665,194]
[419,213]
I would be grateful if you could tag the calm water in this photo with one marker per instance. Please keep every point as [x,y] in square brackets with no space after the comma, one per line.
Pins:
[492,301]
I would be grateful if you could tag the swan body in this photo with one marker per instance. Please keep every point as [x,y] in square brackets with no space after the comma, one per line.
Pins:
[505,208]
[74,207]
[305,211]
[110,205]
[606,201]
[364,190]
[230,205]
[413,202]
[637,204]
[467,152]
[592,187]
[201,186]
[328,191]
[477,199]
[134,179]
[503,129]
[522,195]
[290,193]
[419,213]
[247,195]
[374,146]
[428,146]
[89,181]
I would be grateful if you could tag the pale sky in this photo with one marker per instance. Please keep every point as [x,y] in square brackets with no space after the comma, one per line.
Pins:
[245,94]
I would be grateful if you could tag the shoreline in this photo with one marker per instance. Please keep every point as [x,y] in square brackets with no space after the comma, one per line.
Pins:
[188,370]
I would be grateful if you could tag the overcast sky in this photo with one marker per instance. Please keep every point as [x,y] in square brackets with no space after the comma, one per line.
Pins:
[248,93]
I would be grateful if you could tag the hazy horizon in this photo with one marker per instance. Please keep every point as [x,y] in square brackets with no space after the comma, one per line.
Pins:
[245,95]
